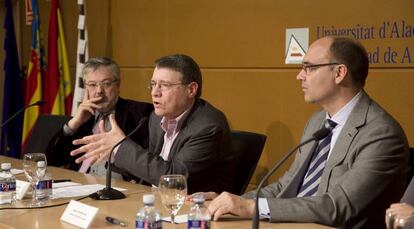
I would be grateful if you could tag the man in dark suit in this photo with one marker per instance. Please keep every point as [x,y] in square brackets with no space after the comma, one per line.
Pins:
[101,77]
[187,134]
[349,178]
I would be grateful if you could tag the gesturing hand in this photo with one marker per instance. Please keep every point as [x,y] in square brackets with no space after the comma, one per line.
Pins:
[98,146]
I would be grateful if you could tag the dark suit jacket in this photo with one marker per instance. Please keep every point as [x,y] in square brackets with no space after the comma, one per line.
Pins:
[363,176]
[128,113]
[201,152]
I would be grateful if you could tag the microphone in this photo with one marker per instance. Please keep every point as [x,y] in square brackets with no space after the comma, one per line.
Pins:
[108,193]
[318,135]
[38,103]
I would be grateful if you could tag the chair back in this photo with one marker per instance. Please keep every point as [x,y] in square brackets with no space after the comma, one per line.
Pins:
[45,128]
[247,148]
[410,172]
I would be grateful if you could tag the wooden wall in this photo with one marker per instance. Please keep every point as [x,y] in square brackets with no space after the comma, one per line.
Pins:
[240,46]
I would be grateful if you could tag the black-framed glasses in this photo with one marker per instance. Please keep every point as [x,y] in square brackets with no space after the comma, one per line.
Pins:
[104,84]
[163,86]
[308,68]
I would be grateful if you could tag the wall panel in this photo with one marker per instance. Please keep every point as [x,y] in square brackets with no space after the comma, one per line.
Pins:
[240,46]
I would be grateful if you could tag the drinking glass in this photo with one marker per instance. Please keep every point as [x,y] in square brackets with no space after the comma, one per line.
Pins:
[173,190]
[30,170]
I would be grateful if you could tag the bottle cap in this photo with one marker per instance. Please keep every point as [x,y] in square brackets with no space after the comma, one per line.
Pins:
[148,198]
[41,164]
[198,199]
[6,166]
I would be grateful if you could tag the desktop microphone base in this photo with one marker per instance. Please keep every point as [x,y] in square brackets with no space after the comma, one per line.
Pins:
[107,194]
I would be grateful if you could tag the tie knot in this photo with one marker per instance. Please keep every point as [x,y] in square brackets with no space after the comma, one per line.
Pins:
[104,115]
[105,118]
[330,124]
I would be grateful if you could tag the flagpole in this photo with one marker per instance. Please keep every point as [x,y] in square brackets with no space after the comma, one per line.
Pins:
[81,57]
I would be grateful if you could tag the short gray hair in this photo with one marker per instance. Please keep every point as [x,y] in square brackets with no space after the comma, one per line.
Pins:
[98,62]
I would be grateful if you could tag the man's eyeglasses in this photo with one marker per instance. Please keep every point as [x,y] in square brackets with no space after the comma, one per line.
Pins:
[105,84]
[163,86]
[308,68]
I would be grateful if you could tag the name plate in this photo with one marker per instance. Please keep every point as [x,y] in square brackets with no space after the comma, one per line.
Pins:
[79,214]
[21,189]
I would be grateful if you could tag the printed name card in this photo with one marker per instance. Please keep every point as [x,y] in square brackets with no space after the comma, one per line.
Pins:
[21,189]
[79,214]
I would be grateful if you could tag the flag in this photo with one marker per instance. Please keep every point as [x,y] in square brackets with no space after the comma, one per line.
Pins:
[57,78]
[81,57]
[35,70]
[11,134]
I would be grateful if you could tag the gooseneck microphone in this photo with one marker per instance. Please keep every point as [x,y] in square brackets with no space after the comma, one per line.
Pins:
[108,193]
[318,135]
[38,103]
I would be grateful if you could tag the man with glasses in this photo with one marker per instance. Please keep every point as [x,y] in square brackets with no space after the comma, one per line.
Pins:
[348,178]
[101,78]
[187,134]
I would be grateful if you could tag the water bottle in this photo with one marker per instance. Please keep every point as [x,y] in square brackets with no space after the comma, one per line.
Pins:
[7,185]
[199,217]
[44,182]
[148,217]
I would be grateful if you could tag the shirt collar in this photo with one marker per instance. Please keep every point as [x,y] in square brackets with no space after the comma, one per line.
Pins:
[174,125]
[112,111]
[342,115]
[98,114]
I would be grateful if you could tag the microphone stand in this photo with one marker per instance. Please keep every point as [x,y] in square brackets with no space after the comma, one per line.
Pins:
[38,103]
[108,193]
[318,135]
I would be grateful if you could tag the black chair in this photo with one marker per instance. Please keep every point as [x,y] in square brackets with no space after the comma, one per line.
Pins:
[247,147]
[45,128]
[410,172]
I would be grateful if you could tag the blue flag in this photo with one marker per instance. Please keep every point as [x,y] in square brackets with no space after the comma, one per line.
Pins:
[11,134]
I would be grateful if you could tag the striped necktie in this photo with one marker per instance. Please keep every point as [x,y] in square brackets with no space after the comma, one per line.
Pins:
[312,178]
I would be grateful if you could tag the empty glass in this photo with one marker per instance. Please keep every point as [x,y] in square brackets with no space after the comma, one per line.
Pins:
[173,190]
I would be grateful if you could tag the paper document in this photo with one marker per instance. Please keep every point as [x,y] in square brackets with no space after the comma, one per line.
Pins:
[177,219]
[16,171]
[64,184]
[78,190]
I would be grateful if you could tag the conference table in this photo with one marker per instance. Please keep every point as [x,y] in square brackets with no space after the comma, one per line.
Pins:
[123,209]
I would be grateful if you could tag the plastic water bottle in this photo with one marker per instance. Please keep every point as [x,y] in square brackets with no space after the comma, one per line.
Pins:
[148,217]
[7,185]
[44,182]
[199,217]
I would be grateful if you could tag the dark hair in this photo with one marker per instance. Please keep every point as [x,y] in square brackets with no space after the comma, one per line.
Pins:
[98,62]
[352,54]
[185,65]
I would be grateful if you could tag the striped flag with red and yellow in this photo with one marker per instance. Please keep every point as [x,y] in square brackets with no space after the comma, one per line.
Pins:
[33,81]
[57,80]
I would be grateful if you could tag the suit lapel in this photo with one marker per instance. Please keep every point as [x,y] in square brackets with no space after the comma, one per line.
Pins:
[303,156]
[121,114]
[159,135]
[356,119]
[182,134]
[87,127]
